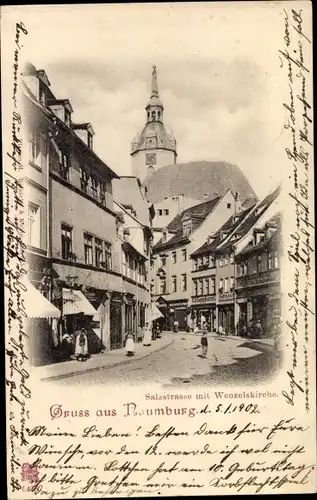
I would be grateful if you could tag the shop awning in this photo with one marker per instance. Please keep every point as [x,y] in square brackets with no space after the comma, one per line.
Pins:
[130,249]
[99,312]
[75,302]
[37,306]
[155,313]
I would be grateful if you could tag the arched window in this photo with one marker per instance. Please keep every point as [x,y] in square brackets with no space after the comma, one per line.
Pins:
[153,115]
[158,115]
[148,115]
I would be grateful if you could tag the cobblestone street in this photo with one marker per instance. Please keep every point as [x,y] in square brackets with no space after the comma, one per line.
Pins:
[230,361]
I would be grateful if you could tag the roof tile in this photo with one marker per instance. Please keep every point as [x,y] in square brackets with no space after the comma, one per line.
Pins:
[198,213]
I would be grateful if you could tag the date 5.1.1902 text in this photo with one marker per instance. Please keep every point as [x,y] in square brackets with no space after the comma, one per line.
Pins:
[250,408]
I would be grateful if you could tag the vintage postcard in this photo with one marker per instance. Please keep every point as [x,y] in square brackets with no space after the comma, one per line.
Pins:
[158,194]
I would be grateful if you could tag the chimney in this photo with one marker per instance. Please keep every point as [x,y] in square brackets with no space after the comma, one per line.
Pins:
[238,205]
[205,197]
[180,203]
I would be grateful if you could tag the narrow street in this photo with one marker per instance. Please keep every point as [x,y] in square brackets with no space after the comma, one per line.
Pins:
[230,361]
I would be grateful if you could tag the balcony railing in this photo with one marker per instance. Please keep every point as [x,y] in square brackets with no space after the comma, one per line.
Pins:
[266,277]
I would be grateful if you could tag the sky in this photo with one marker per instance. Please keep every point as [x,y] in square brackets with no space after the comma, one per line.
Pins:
[218,75]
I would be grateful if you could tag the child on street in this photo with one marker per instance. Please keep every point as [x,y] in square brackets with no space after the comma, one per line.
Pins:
[204,344]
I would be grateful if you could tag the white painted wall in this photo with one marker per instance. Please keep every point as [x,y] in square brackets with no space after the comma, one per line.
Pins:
[214,221]
[175,205]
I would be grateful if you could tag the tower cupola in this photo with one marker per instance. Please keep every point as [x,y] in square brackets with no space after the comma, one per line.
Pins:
[154,147]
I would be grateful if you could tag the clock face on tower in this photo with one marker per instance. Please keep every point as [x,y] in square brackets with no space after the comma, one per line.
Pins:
[150,158]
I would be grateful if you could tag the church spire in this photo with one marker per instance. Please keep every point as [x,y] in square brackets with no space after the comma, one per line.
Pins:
[154,108]
[154,89]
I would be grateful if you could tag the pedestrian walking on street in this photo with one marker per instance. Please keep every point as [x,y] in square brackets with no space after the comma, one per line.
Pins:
[204,344]
[129,346]
[81,348]
[147,335]
[258,328]
[175,326]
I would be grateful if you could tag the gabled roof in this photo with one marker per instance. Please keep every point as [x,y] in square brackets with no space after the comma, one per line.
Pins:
[251,220]
[230,225]
[198,213]
[272,240]
[126,191]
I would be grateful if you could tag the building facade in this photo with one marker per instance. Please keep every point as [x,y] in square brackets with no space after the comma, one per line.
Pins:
[73,226]
[222,290]
[154,147]
[39,128]
[172,266]
[133,247]
[167,209]
[258,283]
[213,277]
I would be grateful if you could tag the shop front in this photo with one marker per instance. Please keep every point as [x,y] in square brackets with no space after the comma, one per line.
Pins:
[259,306]
[266,309]
[78,314]
[225,309]
[163,322]
[178,312]
[203,309]
[226,318]
[96,305]
[116,332]
[41,314]
[128,312]
[274,312]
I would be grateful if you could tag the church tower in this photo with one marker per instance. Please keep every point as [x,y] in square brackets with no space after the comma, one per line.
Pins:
[153,147]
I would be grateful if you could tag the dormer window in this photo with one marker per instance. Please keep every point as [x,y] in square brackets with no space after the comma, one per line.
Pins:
[259,210]
[43,94]
[258,237]
[67,117]
[61,108]
[187,227]
[222,235]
